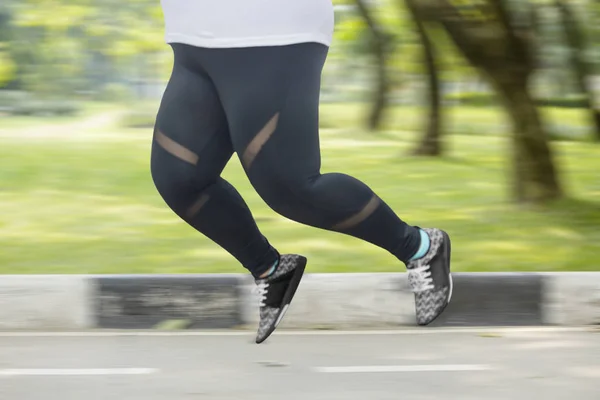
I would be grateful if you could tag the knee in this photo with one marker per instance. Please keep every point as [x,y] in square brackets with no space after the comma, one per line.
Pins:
[179,185]
[283,192]
[169,178]
[181,191]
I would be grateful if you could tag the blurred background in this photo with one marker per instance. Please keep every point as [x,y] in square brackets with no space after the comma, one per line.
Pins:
[481,117]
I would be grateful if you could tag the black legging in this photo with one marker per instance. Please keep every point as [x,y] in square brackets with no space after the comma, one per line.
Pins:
[263,104]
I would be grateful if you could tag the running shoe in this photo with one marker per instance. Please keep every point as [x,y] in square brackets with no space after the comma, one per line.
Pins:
[430,279]
[276,293]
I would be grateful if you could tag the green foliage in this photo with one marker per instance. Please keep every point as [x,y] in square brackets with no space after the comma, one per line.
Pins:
[64,46]
[12,98]
[114,92]
[57,107]
[472,99]
[487,99]
[474,10]
[575,101]
[563,123]
[8,68]
[28,104]
[139,118]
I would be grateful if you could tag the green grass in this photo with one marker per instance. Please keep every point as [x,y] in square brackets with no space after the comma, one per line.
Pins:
[479,121]
[84,202]
[89,109]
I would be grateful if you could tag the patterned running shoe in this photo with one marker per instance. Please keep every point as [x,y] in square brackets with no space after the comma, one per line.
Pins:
[430,278]
[276,293]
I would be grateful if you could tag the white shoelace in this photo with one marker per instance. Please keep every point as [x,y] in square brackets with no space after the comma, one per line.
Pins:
[261,290]
[420,279]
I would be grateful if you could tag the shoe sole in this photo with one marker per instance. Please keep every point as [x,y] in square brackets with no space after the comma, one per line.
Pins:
[448,255]
[449,267]
[288,296]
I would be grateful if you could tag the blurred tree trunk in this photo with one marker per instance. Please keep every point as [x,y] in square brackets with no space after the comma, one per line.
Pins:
[380,45]
[581,67]
[501,46]
[534,177]
[430,144]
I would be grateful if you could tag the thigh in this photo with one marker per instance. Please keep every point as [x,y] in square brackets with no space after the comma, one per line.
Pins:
[191,131]
[271,99]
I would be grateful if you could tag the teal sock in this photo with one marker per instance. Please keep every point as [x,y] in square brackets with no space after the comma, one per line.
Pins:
[423,247]
[271,270]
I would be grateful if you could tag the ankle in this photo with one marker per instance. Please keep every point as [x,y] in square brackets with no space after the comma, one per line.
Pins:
[270,270]
[423,246]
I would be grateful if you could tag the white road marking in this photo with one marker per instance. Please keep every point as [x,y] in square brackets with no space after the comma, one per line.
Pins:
[76,371]
[549,344]
[407,331]
[403,368]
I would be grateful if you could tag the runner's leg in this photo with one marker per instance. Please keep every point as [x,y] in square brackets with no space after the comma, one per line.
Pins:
[191,147]
[271,99]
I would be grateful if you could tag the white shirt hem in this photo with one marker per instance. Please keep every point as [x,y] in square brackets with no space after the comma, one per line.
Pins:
[275,40]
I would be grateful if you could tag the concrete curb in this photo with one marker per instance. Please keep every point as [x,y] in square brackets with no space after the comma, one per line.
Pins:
[45,302]
[146,302]
[323,301]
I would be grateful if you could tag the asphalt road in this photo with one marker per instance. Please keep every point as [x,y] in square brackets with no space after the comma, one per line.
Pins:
[438,364]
